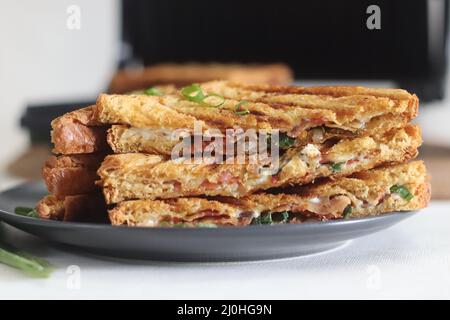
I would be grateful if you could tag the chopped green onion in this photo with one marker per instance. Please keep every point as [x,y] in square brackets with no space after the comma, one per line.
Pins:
[180,225]
[217,100]
[238,111]
[402,191]
[240,104]
[256,220]
[152,91]
[271,218]
[280,217]
[286,141]
[242,113]
[193,93]
[347,211]
[30,265]
[28,212]
[264,218]
[336,167]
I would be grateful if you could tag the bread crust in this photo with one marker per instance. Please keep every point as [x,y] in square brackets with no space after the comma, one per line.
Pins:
[141,176]
[51,208]
[78,208]
[78,132]
[346,108]
[368,193]
[71,175]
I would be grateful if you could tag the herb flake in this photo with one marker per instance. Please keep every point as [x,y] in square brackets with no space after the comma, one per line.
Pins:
[336,167]
[280,217]
[264,218]
[238,109]
[27,212]
[152,91]
[285,141]
[347,211]
[193,93]
[402,191]
[214,100]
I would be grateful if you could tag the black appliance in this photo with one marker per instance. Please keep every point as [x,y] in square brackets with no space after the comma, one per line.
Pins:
[320,39]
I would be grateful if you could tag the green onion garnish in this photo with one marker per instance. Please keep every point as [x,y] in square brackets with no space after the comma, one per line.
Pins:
[180,225]
[28,212]
[285,141]
[271,218]
[280,217]
[214,100]
[193,93]
[347,211]
[238,111]
[152,91]
[402,191]
[242,113]
[256,220]
[336,167]
[30,265]
[264,218]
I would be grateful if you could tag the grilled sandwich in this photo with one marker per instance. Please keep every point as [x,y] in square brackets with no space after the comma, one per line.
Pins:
[155,124]
[402,187]
[345,108]
[143,176]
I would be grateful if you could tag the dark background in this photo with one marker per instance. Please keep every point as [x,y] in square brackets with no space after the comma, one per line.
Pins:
[319,39]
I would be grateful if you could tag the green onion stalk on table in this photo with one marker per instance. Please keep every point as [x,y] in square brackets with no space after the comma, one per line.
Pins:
[28,264]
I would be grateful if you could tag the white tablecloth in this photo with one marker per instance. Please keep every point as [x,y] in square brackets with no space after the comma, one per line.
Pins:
[409,260]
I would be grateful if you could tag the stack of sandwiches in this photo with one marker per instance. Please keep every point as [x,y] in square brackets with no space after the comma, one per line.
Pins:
[344,152]
[80,146]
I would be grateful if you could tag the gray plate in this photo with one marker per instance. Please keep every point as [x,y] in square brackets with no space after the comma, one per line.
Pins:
[185,244]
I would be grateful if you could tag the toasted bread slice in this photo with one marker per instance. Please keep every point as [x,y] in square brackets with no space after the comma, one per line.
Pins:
[345,108]
[71,175]
[312,97]
[184,74]
[142,176]
[80,208]
[402,187]
[78,132]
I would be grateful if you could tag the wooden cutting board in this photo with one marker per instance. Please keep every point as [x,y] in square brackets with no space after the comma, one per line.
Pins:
[437,161]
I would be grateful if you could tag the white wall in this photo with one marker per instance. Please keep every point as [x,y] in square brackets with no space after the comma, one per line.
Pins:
[42,60]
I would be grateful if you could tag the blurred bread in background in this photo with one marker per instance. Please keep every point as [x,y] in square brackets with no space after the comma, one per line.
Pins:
[127,80]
